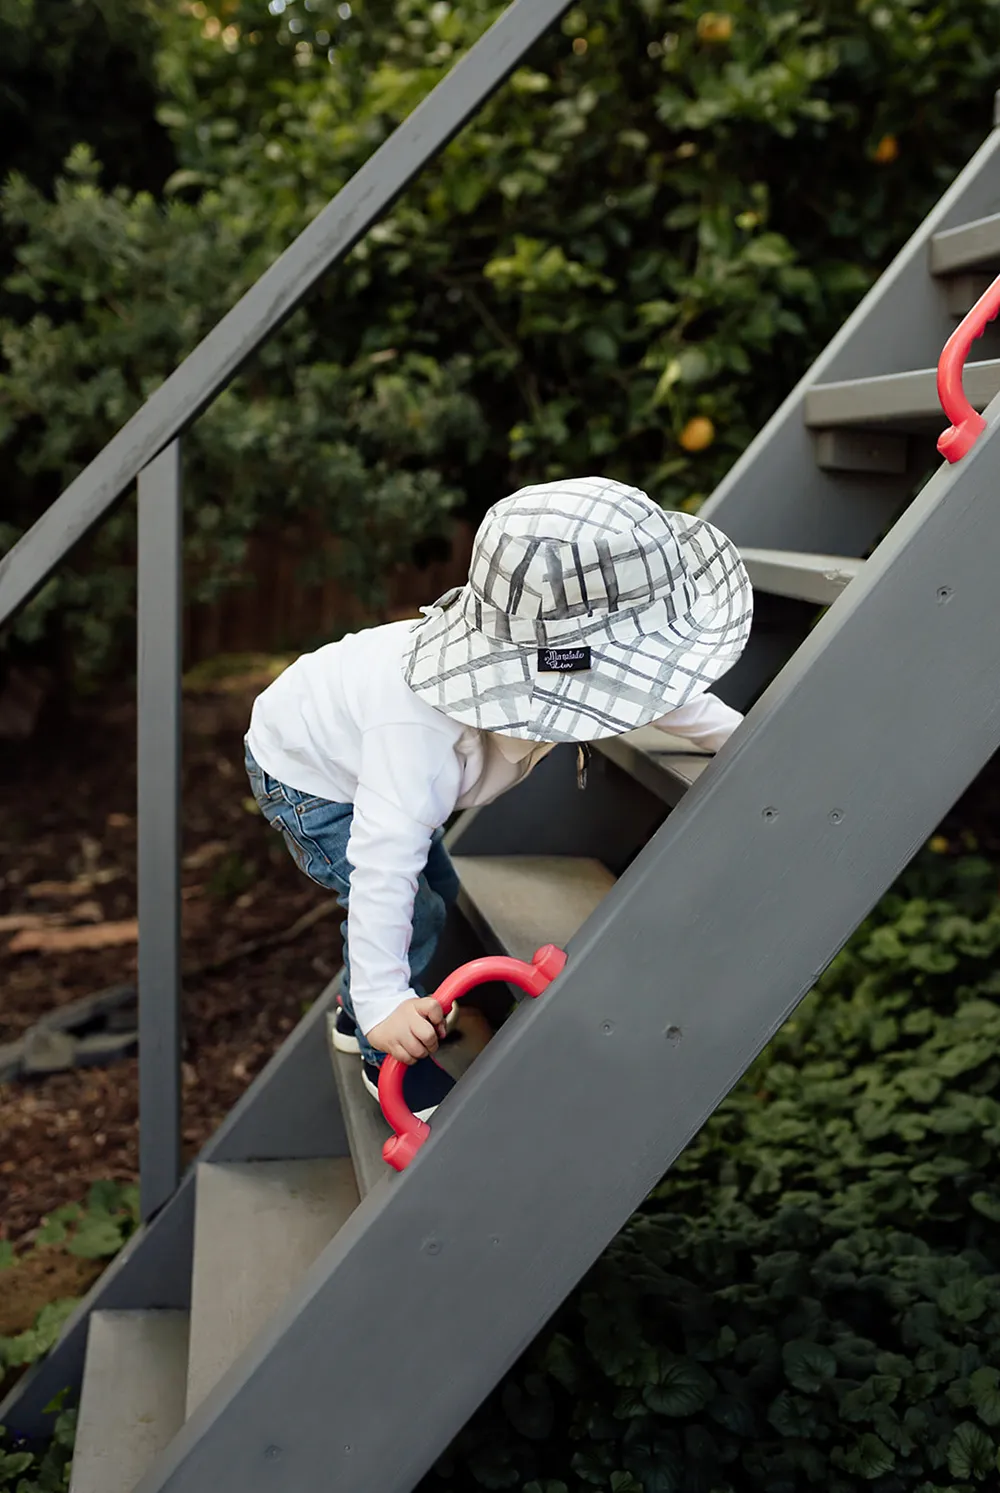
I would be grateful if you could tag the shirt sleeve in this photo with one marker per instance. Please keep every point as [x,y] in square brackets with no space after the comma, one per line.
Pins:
[706,722]
[408,785]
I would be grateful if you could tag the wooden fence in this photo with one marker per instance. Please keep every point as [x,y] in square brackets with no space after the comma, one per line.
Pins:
[276,612]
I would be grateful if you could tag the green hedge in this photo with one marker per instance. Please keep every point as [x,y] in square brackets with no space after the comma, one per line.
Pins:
[39,1470]
[661,218]
[812,1297]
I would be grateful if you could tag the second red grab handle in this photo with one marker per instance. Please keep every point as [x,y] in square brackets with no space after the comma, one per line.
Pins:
[967,425]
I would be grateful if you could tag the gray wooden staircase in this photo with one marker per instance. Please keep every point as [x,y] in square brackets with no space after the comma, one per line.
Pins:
[294,1317]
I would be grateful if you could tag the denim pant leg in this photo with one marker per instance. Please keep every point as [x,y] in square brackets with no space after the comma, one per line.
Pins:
[429,914]
[316,833]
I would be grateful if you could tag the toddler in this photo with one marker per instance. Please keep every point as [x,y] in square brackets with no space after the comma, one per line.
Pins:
[589,611]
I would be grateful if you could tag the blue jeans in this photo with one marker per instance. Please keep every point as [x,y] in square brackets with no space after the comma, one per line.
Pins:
[316,832]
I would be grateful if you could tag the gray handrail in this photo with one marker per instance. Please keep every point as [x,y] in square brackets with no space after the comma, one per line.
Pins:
[272,299]
[147,448]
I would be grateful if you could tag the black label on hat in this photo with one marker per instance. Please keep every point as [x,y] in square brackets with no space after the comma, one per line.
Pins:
[563,660]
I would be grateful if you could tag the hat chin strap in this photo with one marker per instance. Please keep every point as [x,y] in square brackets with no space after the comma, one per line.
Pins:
[439,607]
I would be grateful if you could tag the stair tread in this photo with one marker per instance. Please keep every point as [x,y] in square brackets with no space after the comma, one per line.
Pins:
[132,1403]
[667,765]
[259,1225]
[907,400]
[974,243]
[804,576]
[366,1127]
[518,903]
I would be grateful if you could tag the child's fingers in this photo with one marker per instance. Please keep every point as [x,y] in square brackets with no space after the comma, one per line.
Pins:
[431,1009]
[425,1033]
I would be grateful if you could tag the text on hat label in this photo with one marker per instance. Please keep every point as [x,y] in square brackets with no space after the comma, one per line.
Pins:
[563,660]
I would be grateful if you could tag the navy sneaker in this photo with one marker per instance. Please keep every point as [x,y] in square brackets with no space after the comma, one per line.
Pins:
[344,1034]
[424,1085]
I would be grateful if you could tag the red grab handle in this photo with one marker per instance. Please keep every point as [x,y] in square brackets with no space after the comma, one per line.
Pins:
[966,424]
[400,1149]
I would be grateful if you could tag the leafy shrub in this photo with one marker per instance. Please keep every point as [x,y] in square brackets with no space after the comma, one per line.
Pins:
[25,1469]
[94,1230]
[662,217]
[812,1297]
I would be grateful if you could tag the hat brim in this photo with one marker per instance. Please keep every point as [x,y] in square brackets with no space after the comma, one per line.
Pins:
[643,664]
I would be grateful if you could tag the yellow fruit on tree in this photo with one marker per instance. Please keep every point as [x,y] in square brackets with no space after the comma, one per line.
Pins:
[886,150]
[714,27]
[698,434]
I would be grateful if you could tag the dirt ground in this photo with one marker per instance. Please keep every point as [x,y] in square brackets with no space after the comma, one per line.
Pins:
[67,863]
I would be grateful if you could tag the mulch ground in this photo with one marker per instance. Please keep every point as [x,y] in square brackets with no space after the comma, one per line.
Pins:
[69,819]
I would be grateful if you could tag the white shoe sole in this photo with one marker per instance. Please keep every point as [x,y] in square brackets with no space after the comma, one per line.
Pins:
[340,1042]
[421,1114]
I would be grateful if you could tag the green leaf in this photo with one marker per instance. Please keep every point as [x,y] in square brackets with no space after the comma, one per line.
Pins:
[792,1416]
[530,1408]
[600,344]
[684,1388]
[14,1463]
[964,1299]
[734,1414]
[984,1395]
[808,1365]
[561,1361]
[988,1204]
[97,1238]
[971,1453]
[592,1466]
[870,1457]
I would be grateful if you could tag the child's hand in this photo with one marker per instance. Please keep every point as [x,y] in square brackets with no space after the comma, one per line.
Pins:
[411,1032]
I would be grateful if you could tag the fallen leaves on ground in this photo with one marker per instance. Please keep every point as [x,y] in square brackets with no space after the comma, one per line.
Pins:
[67,940]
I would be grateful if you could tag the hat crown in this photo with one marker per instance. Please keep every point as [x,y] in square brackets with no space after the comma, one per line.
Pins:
[581,548]
[589,611]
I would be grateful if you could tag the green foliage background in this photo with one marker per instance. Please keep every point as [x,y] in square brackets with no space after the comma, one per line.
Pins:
[664,214]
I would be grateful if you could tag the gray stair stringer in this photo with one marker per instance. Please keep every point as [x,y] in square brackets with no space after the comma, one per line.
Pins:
[701,950]
[289,1110]
[775,496]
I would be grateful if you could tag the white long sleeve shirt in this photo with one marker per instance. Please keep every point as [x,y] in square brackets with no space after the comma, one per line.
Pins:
[342,724]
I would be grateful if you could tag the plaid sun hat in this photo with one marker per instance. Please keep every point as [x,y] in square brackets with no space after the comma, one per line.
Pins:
[589,611]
